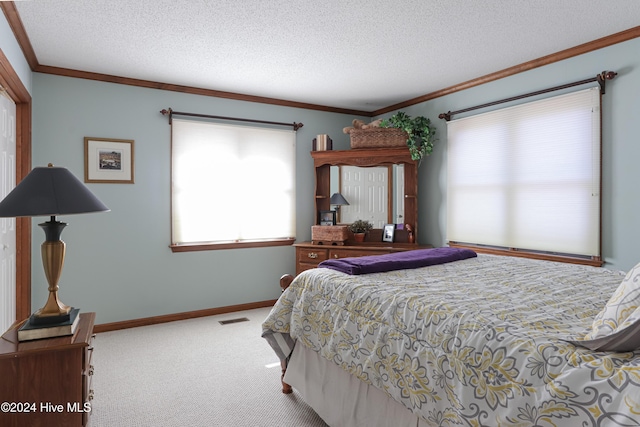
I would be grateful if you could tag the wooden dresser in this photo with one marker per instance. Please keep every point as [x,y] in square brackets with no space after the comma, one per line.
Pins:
[47,382]
[309,255]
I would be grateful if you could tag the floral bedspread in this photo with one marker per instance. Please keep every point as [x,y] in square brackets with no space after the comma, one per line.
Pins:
[477,342]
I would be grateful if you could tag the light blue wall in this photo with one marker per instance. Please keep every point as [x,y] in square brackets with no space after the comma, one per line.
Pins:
[118,263]
[621,144]
[11,49]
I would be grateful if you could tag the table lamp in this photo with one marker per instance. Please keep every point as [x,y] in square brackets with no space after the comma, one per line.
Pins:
[50,191]
[338,200]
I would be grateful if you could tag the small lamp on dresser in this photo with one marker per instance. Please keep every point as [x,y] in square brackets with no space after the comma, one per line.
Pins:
[50,191]
[338,200]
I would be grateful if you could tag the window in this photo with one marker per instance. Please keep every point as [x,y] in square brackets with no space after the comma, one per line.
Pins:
[528,177]
[231,185]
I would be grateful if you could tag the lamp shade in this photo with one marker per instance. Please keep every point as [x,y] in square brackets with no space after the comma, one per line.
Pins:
[338,199]
[50,191]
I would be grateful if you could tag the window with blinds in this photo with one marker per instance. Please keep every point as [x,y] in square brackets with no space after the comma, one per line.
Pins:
[231,184]
[528,176]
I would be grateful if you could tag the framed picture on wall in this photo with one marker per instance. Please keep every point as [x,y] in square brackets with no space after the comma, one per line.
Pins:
[108,160]
[387,232]
[327,217]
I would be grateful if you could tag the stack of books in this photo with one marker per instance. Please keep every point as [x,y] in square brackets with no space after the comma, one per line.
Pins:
[30,330]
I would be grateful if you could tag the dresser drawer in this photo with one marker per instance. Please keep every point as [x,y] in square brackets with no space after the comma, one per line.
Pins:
[311,255]
[350,253]
[301,266]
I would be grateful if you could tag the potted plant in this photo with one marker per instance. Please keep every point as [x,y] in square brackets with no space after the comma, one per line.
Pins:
[420,131]
[359,228]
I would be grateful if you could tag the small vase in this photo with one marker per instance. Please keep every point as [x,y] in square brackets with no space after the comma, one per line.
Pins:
[358,237]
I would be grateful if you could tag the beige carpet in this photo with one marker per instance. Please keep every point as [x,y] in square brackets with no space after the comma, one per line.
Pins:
[193,373]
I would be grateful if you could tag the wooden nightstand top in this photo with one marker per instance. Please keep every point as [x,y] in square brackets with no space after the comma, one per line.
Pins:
[11,347]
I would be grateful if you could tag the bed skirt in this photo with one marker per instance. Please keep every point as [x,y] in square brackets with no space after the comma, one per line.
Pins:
[341,399]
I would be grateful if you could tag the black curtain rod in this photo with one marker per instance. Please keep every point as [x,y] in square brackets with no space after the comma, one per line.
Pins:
[600,78]
[172,113]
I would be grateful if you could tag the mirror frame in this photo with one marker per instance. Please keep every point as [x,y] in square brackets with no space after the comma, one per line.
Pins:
[323,160]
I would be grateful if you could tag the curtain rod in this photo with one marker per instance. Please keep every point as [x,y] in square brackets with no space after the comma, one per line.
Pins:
[172,113]
[600,78]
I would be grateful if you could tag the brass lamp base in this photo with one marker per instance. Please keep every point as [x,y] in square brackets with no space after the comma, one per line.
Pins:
[53,251]
[41,317]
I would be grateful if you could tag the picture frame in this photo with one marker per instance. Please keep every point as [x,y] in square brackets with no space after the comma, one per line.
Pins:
[388,232]
[108,160]
[327,217]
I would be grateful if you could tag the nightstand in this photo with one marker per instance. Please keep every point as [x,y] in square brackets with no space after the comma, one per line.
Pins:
[47,382]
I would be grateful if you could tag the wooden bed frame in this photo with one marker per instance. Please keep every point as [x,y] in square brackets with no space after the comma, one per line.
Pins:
[285,281]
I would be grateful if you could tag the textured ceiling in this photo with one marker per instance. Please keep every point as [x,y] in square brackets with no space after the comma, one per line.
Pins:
[355,54]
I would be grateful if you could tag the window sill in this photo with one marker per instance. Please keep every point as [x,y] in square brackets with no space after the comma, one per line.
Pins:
[193,247]
[592,261]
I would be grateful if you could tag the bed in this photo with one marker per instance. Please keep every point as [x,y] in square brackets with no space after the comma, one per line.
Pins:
[483,341]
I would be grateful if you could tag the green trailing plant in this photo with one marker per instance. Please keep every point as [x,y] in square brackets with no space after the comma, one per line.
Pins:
[360,226]
[421,133]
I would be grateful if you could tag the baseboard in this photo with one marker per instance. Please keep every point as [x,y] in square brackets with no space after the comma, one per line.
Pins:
[146,321]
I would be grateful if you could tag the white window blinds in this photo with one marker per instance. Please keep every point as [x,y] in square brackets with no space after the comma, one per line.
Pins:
[231,183]
[528,176]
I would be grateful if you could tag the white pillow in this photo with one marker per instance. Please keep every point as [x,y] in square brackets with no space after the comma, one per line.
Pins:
[617,326]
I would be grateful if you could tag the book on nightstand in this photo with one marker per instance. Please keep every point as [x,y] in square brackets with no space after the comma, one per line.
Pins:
[29,331]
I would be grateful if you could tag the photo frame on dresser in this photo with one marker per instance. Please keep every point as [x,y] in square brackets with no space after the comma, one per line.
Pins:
[388,232]
[327,217]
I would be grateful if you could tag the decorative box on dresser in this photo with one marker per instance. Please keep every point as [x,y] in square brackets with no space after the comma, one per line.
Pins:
[47,382]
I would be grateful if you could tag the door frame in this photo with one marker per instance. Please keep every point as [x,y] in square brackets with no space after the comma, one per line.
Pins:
[19,94]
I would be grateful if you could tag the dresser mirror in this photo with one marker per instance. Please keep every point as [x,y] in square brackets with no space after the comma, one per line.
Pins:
[375,193]
[343,171]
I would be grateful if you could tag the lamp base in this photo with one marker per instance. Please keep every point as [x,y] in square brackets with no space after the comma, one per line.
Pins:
[54,312]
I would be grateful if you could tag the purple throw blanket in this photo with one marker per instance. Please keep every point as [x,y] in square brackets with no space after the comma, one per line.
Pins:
[397,260]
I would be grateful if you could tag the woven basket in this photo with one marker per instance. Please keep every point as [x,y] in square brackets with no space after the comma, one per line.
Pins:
[329,233]
[378,138]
